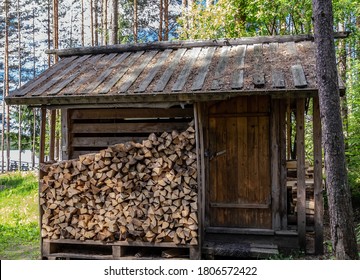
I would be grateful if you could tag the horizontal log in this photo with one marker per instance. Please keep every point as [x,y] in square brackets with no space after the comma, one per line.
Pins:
[100,114]
[126,127]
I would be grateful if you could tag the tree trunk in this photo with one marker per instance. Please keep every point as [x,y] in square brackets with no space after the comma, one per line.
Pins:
[340,209]
[114,23]
[19,72]
[92,22]
[82,24]
[135,23]
[6,89]
[160,35]
[96,23]
[166,20]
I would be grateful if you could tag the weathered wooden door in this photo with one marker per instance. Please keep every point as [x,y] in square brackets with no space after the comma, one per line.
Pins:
[239,163]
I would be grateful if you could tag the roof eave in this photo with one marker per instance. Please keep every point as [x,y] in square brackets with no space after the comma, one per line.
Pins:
[180,97]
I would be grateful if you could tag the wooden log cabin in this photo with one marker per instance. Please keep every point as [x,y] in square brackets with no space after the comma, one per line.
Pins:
[246,98]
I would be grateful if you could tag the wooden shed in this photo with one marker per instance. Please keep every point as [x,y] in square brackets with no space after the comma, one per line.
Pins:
[246,101]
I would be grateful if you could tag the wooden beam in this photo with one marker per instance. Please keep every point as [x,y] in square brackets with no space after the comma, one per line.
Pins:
[300,154]
[318,191]
[127,99]
[52,134]
[275,165]
[65,134]
[283,170]
[200,166]
[187,44]
[42,135]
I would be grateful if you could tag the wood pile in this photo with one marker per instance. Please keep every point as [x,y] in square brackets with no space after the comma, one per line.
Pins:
[131,191]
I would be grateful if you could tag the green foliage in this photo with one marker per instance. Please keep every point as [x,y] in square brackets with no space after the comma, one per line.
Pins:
[19,225]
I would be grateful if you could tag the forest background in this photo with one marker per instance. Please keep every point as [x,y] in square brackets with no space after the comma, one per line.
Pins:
[27,30]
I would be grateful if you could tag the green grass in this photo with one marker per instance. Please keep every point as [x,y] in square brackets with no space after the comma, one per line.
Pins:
[19,216]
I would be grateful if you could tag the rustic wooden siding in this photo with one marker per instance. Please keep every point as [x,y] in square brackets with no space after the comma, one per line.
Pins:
[90,130]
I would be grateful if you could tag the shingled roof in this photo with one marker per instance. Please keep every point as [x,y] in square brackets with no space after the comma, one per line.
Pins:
[175,71]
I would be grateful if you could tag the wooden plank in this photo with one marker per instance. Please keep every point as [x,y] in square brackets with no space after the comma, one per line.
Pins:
[105,141]
[44,76]
[240,230]
[184,74]
[160,86]
[137,71]
[258,76]
[154,70]
[99,79]
[84,70]
[90,74]
[127,127]
[239,115]
[161,45]
[240,206]
[122,69]
[65,134]
[301,187]
[275,165]
[100,114]
[42,139]
[203,70]
[277,75]
[318,190]
[238,75]
[59,76]
[52,134]
[200,168]
[283,170]
[218,81]
[298,76]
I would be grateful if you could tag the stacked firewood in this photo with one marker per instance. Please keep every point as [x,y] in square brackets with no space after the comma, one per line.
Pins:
[131,191]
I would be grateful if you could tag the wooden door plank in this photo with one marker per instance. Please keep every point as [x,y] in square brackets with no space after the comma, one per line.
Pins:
[46,75]
[238,75]
[301,187]
[99,79]
[318,190]
[160,86]
[56,78]
[122,69]
[148,79]
[137,71]
[84,75]
[218,81]
[205,63]
[184,74]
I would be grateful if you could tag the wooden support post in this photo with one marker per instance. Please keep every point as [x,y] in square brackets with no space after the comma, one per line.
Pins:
[52,134]
[283,171]
[275,166]
[195,252]
[41,173]
[301,188]
[42,136]
[65,148]
[318,191]
[288,128]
